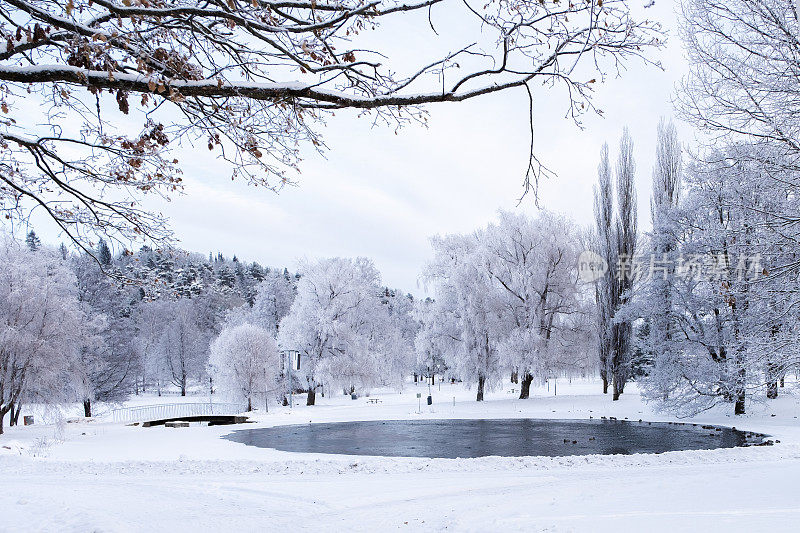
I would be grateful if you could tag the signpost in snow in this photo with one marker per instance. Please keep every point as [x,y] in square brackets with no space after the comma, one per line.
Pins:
[419,401]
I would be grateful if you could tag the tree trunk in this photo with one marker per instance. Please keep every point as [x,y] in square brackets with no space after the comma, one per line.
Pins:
[415,377]
[514,377]
[771,377]
[285,400]
[312,396]
[738,408]
[183,388]
[11,415]
[481,383]
[605,383]
[249,404]
[782,379]
[15,414]
[87,408]
[525,387]
[772,390]
[2,414]
[741,384]
[617,391]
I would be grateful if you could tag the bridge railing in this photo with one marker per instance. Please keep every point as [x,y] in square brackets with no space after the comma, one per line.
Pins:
[174,410]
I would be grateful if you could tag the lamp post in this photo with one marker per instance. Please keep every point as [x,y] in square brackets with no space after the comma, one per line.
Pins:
[266,391]
[290,354]
[430,378]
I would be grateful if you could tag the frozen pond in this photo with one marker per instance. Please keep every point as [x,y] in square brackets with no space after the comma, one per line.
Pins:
[479,438]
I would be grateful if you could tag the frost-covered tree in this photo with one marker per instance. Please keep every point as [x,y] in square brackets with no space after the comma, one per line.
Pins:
[255,80]
[41,326]
[626,251]
[427,346]
[226,279]
[735,337]
[151,319]
[336,322]
[656,299]
[532,263]
[616,244]
[244,361]
[33,241]
[274,298]
[466,319]
[108,363]
[743,89]
[184,348]
[156,330]
[606,289]
[398,338]
[508,298]
[743,78]
[257,272]
[103,253]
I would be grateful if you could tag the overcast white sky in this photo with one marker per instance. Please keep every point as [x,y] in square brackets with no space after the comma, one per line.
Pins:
[382,195]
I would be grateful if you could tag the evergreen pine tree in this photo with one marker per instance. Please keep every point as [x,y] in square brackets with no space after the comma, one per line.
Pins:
[103,253]
[33,241]
[257,272]
[226,278]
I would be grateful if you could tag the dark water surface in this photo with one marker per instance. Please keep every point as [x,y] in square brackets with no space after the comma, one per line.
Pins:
[479,438]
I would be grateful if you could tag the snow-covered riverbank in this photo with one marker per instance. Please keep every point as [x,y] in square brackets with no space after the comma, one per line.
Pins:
[189,478]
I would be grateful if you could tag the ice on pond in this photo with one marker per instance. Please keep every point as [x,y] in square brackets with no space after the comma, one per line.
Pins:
[499,437]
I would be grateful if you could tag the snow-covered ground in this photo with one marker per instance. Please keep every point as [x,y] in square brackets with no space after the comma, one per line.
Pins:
[100,476]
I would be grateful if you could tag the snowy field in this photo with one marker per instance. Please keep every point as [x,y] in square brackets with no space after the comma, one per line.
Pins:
[100,476]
